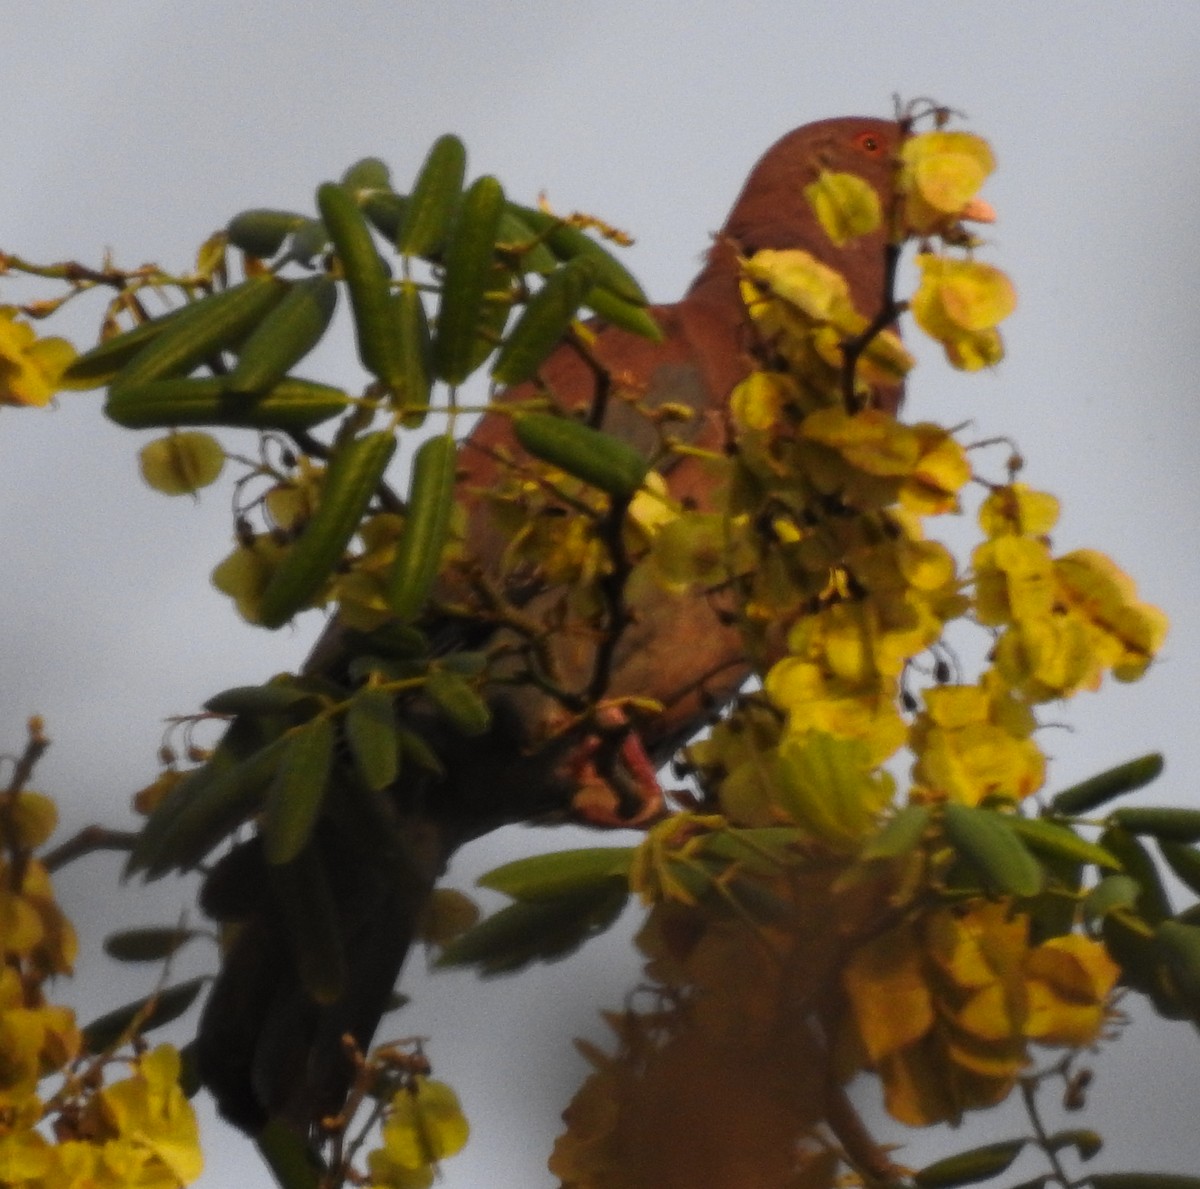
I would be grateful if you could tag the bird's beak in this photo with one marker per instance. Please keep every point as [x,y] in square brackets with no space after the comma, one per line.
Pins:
[978,210]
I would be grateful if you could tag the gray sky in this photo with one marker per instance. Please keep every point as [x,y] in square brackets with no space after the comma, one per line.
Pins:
[140,127]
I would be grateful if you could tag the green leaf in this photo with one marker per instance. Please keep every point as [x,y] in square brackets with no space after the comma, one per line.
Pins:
[562,873]
[416,354]
[516,234]
[366,279]
[541,930]
[289,1157]
[261,232]
[371,733]
[1103,787]
[568,243]
[902,834]
[298,789]
[1184,861]
[147,945]
[201,330]
[1143,1180]
[589,454]
[1061,842]
[1112,892]
[354,474]
[470,255]
[434,198]
[385,211]
[1172,825]
[160,1008]
[617,311]
[275,697]
[1136,862]
[459,701]
[1179,947]
[426,528]
[285,336]
[368,174]
[1087,1143]
[545,319]
[987,841]
[290,405]
[967,1168]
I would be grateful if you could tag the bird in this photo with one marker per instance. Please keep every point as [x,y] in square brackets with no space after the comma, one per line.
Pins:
[265,1048]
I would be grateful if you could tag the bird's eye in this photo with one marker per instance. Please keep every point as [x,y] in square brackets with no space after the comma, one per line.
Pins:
[869,143]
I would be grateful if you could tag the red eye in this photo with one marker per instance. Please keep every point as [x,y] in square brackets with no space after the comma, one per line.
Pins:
[869,143]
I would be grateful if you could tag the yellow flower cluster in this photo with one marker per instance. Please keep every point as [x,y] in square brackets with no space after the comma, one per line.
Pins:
[945,1006]
[422,1125]
[139,1130]
[802,902]
[30,368]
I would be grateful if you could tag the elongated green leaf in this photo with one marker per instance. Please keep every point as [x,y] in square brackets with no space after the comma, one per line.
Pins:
[415,353]
[147,945]
[589,454]
[1103,787]
[371,733]
[433,200]
[1184,861]
[968,1168]
[366,279]
[272,698]
[532,931]
[1143,1180]
[517,237]
[544,322]
[426,528]
[1111,893]
[160,1008]
[563,873]
[458,700]
[355,472]
[902,834]
[201,330]
[1049,838]
[368,174]
[261,232]
[1179,947]
[987,841]
[297,790]
[103,362]
[385,211]
[1087,1143]
[628,315]
[470,255]
[285,335]
[1172,825]
[568,243]
[1136,862]
[291,404]
[289,1157]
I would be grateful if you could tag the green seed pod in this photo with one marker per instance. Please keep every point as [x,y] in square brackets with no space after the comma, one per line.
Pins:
[291,404]
[147,945]
[434,196]
[546,319]
[366,278]
[297,790]
[202,330]
[419,550]
[469,259]
[988,843]
[354,473]
[1104,786]
[1055,841]
[261,232]
[1153,904]
[285,335]
[588,454]
[149,1012]
[568,242]
[1184,861]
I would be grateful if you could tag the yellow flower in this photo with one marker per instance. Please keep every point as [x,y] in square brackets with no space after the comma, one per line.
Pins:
[424,1124]
[30,368]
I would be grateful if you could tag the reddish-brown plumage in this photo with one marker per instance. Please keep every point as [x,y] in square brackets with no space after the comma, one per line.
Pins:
[264,1047]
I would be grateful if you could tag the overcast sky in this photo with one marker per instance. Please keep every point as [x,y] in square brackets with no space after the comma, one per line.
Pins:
[141,127]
